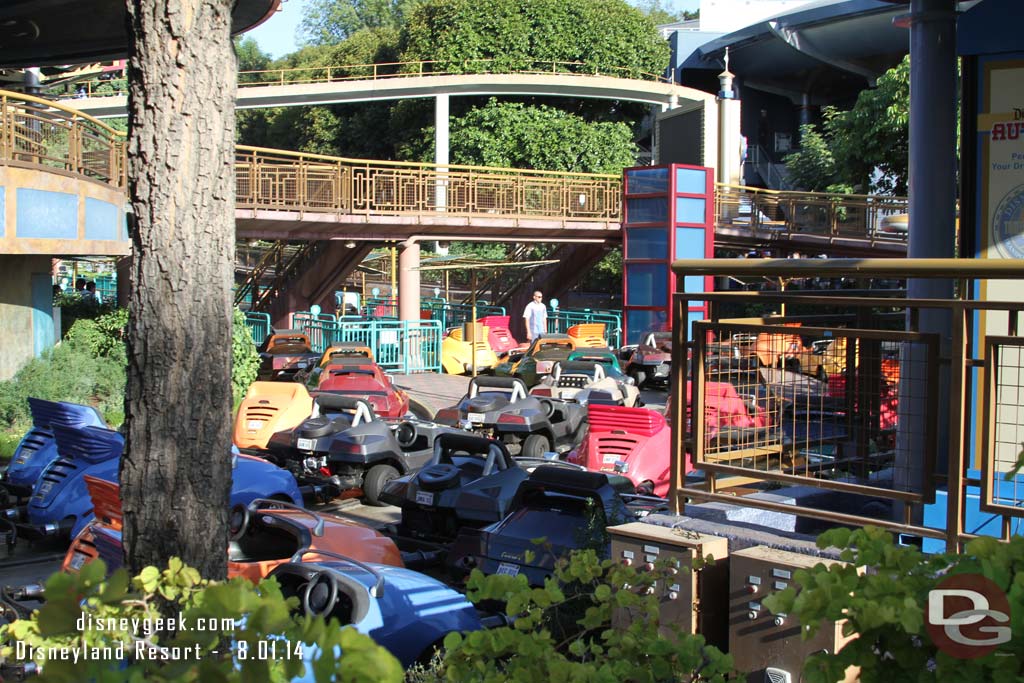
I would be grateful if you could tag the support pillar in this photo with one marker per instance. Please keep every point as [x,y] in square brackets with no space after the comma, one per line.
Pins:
[441,149]
[932,209]
[730,142]
[409,280]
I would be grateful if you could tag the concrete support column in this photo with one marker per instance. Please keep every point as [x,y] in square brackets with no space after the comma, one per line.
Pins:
[730,141]
[806,109]
[932,208]
[441,149]
[409,280]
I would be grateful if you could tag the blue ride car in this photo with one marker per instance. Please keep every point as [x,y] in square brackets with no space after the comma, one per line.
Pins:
[406,612]
[60,502]
[38,448]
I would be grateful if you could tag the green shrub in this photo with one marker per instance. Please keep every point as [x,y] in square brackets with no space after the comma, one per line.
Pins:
[102,336]
[543,645]
[69,372]
[77,600]
[245,360]
[885,607]
[73,308]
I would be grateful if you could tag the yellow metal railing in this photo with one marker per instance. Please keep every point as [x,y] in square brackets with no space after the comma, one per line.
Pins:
[386,70]
[38,133]
[790,213]
[849,399]
[272,179]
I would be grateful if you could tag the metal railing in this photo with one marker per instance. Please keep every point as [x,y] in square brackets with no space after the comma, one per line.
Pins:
[792,213]
[259,326]
[38,133]
[273,179]
[387,70]
[768,170]
[560,320]
[852,403]
[35,132]
[409,346]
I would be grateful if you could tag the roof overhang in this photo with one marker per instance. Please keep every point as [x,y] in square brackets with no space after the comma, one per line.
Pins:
[826,50]
[45,32]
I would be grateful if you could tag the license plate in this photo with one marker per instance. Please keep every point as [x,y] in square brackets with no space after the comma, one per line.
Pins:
[304,444]
[21,460]
[45,488]
[424,498]
[254,425]
[77,561]
[508,569]
[610,459]
[475,417]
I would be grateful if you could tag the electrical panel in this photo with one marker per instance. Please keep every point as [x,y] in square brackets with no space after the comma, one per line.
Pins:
[695,601]
[768,647]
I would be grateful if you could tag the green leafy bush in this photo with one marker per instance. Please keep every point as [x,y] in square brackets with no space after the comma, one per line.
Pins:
[564,631]
[69,372]
[102,336]
[236,617]
[885,607]
[245,360]
[607,36]
[74,308]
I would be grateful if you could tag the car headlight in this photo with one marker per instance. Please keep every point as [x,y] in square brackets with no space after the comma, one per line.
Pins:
[629,380]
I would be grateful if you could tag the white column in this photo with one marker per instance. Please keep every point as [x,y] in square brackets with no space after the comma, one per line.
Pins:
[441,151]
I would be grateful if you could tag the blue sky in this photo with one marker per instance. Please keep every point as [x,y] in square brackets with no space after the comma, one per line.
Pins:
[277,34]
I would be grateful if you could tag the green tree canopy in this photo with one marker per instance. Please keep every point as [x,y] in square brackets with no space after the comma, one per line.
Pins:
[845,153]
[660,14]
[515,135]
[328,22]
[516,34]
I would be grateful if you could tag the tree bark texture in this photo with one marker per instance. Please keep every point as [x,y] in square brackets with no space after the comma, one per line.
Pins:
[176,470]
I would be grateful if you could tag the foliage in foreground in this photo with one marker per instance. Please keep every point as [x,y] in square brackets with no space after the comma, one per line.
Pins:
[885,608]
[225,624]
[564,632]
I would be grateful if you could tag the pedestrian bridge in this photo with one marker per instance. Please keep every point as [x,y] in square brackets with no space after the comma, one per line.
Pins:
[65,174]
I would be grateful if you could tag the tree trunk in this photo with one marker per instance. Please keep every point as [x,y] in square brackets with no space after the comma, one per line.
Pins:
[176,470]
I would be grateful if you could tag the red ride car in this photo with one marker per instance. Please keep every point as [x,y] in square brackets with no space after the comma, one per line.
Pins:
[365,379]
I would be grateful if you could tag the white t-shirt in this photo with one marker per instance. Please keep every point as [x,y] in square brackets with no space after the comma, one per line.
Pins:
[536,315]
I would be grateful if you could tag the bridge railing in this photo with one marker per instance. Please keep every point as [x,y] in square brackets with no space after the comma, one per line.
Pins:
[273,179]
[385,70]
[39,133]
[789,213]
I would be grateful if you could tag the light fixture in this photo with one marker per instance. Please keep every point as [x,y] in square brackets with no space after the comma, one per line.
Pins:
[350,244]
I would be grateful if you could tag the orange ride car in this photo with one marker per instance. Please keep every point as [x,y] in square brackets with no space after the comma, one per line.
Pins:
[264,534]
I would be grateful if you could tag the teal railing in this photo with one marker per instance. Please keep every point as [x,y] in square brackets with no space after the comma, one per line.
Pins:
[561,320]
[259,326]
[410,346]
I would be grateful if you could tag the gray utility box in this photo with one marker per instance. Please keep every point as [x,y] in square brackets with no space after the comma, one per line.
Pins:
[766,647]
[695,601]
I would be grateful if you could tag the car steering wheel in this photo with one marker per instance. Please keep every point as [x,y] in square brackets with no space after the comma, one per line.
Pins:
[313,601]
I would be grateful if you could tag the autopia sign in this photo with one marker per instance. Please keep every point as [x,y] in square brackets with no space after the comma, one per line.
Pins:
[967,616]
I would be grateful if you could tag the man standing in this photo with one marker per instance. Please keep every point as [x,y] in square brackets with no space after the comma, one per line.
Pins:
[536,317]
